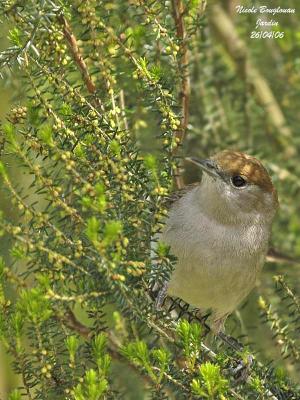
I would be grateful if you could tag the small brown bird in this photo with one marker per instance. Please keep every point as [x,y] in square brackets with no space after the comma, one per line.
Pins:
[219,231]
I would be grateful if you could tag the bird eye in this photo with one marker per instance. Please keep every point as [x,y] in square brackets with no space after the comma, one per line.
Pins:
[238,181]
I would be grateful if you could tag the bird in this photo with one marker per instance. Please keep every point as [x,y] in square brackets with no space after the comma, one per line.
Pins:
[219,229]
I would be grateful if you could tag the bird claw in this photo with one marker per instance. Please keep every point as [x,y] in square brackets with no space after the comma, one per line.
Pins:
[242,371]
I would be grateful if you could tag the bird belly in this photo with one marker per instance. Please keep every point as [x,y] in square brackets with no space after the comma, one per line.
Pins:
[215,271]
[217,287]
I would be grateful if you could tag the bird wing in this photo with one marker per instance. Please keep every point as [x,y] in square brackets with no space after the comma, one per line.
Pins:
[173,197]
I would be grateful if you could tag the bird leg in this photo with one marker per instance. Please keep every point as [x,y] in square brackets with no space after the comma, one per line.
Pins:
[161,296]
[217,324]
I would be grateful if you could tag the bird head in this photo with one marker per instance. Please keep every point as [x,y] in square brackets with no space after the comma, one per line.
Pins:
[237,185]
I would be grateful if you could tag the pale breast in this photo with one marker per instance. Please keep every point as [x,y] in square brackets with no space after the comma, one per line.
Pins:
[217,265]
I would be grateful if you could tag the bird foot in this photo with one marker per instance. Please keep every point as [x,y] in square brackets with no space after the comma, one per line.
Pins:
[243,368]
[242,371]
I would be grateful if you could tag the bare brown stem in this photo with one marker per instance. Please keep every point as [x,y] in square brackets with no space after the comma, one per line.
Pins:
[77,56]
[69,320]
[72,42]
[184,95]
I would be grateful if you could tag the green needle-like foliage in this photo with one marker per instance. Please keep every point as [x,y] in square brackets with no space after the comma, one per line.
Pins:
[210,384]
[107,97]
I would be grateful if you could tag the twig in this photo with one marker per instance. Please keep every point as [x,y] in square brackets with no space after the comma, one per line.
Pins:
[81,297]
[122,107]
[281,333]
[184,95]
[277,257]
[76,53]
[69,320]
[178,10]
[71,39]
[280,280]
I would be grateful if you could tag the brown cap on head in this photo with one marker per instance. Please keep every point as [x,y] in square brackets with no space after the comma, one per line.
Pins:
[236,163]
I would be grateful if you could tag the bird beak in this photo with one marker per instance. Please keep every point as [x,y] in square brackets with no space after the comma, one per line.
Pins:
[209,166]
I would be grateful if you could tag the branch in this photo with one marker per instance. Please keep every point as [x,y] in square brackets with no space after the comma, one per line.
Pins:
[178,11]
[72,42]
[69,320]
[76,53]
[184,95]
[277,257]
